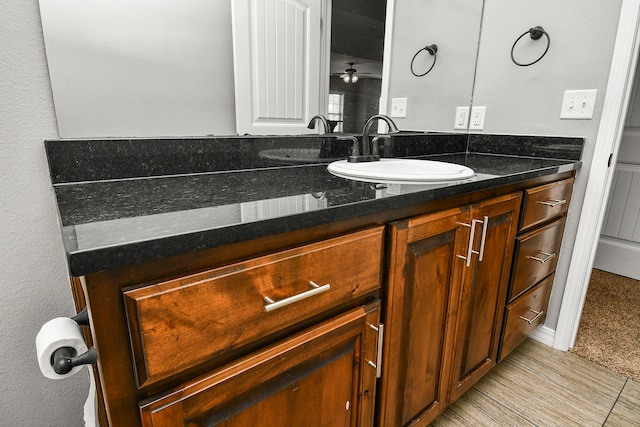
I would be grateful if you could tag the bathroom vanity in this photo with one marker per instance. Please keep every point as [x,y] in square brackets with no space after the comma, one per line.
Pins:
[250,296]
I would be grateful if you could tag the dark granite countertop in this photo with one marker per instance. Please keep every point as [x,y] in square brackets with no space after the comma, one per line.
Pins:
[112,219]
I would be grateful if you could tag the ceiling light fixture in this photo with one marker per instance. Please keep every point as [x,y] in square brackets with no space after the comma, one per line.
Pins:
[349,76]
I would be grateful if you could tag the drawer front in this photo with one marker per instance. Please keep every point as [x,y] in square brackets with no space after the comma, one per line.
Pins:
[177,324]
[524,315]
[546,202]
[318,377]
[536,256]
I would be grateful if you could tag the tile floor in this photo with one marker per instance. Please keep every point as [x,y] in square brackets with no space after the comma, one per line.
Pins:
[537,385]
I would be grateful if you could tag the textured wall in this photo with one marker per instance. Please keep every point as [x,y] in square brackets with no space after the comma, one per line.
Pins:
[34,286]
[527,100]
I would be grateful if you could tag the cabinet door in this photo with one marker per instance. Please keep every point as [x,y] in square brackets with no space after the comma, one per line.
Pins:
[481,304]
[319,377]
[424,277]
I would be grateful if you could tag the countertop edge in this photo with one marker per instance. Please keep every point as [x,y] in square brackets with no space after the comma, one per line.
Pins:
[95,260]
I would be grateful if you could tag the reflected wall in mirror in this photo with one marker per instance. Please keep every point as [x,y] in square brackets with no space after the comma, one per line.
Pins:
[454,26]
[142,68]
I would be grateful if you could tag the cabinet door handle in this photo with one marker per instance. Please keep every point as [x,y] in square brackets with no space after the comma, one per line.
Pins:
[537,314]
[472,235]
[547,257]
[274,305]
[552,203]
[377,365]
[483,240]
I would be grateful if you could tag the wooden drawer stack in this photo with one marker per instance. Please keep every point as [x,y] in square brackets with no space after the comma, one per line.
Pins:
[257,309]
[535,259]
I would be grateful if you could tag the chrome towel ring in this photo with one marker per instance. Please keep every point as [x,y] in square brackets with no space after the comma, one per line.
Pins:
[432,49]
[536,33]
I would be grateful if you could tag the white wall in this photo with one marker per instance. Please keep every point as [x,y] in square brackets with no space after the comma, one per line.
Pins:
[140,68]
[526,100]
[34,286]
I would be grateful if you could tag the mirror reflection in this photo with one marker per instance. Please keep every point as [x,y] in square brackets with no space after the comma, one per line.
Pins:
[357,46]
[142,68]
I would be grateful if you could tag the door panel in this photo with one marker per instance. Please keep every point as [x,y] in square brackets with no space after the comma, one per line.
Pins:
[483,295]
[424,278]
[277,47]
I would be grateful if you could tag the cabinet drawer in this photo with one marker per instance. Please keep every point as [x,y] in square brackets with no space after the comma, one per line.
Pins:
[318,377]
[536,256]
[179,323]
[525,314]
[546,202]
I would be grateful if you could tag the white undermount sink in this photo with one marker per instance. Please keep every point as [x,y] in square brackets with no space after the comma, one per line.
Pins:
[402,171]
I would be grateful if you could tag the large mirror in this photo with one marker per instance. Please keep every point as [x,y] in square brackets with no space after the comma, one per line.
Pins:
[145,68]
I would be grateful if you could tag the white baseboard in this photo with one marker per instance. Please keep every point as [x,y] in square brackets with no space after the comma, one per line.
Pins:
[618,257]
[544,334]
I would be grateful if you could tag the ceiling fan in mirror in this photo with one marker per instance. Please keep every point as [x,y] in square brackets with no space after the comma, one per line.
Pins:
[349,75]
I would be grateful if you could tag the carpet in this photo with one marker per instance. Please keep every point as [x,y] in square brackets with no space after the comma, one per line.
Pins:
[609,331]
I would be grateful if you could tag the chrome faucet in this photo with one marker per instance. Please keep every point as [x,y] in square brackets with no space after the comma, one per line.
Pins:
[319,118]
[367,128]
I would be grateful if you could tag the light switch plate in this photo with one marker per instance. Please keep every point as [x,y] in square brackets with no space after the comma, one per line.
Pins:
[578,104]
[399,107]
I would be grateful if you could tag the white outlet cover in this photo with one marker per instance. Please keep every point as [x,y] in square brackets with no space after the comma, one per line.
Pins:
[578,104]
[476,120]
[462,118]
[399,107]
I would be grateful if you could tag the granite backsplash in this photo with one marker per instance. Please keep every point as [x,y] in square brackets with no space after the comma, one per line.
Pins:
[81,160]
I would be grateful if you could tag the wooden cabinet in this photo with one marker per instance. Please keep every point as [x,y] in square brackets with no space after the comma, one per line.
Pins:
[323,376]
[536,256]
[287,336]
[270,293]
[484,286]
[447,283]
[285,330]
[525,314]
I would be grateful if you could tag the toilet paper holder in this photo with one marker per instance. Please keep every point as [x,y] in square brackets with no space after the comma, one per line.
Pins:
[64,359]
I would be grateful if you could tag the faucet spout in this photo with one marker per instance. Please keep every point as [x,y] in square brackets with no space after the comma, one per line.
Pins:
[322,119]
[367,128]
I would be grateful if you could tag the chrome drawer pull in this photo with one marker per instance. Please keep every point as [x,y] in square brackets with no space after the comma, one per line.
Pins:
[483,240]
[273,305]
[547,257]
[552,203]
[377,365]
[537,314]
[472,235]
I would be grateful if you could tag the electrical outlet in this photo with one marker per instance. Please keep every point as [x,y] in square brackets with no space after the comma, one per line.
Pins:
[399,107]
[462,118]
[578,104]
[477,118]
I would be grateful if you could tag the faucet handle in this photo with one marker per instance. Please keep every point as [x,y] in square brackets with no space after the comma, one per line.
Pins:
[355,148]
[385,139]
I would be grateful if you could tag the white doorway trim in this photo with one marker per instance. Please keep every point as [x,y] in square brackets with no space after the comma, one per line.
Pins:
[616,101]
[386,56]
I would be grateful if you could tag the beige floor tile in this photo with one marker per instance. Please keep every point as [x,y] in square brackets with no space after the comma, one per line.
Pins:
[539,386]
[626,411]
[474,409]
[584,378]
[539,400]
